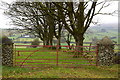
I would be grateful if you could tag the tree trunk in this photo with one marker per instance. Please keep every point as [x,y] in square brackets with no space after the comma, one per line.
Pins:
[43,43]
[51,42]
[79,42]
[59,39]
[68,42]
[47,42]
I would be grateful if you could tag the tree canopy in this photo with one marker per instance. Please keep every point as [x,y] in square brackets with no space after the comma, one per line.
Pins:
[49,19]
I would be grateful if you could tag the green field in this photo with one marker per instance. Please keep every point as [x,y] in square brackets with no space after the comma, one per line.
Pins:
[50,57]
[65,59]
[24,39]
[88,37]
[59,72]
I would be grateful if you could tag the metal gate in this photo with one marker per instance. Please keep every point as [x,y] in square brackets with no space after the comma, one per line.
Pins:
[39,56]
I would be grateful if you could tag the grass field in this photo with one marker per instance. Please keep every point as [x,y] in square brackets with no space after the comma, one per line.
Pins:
[59,72]
[25,39]
[65,59]
[53,71]
[88,37]
[46,57]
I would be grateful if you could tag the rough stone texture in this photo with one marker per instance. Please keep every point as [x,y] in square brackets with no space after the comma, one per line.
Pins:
[7,55]
[105,52]
[7,51]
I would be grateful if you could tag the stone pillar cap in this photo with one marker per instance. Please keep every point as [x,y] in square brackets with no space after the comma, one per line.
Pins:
[105,41]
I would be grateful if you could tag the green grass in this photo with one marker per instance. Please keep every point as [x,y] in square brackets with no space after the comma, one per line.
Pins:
[88,37]
[24,39]
[100,35]
[64,58]
[59,72]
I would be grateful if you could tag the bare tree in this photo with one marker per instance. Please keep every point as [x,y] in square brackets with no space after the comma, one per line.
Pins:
[29,16]
[77,17]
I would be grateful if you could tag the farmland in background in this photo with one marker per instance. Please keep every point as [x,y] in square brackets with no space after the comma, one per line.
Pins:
[25,37]
[20,37]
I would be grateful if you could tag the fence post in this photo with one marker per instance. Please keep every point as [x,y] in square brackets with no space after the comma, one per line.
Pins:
[97,55]
[18,53]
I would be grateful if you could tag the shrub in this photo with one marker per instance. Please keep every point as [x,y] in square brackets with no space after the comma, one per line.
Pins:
[53,47]
[35,42]
[6,40]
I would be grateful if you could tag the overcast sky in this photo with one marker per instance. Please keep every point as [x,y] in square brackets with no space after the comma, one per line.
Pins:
[4,21]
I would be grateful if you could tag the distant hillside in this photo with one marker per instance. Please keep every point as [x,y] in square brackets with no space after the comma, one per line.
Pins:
[106,26]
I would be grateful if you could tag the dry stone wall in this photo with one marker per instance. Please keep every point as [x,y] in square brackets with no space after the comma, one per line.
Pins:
[7,51]
[7,55]
[105,52]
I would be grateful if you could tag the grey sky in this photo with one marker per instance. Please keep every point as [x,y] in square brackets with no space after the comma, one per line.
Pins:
[103,19]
